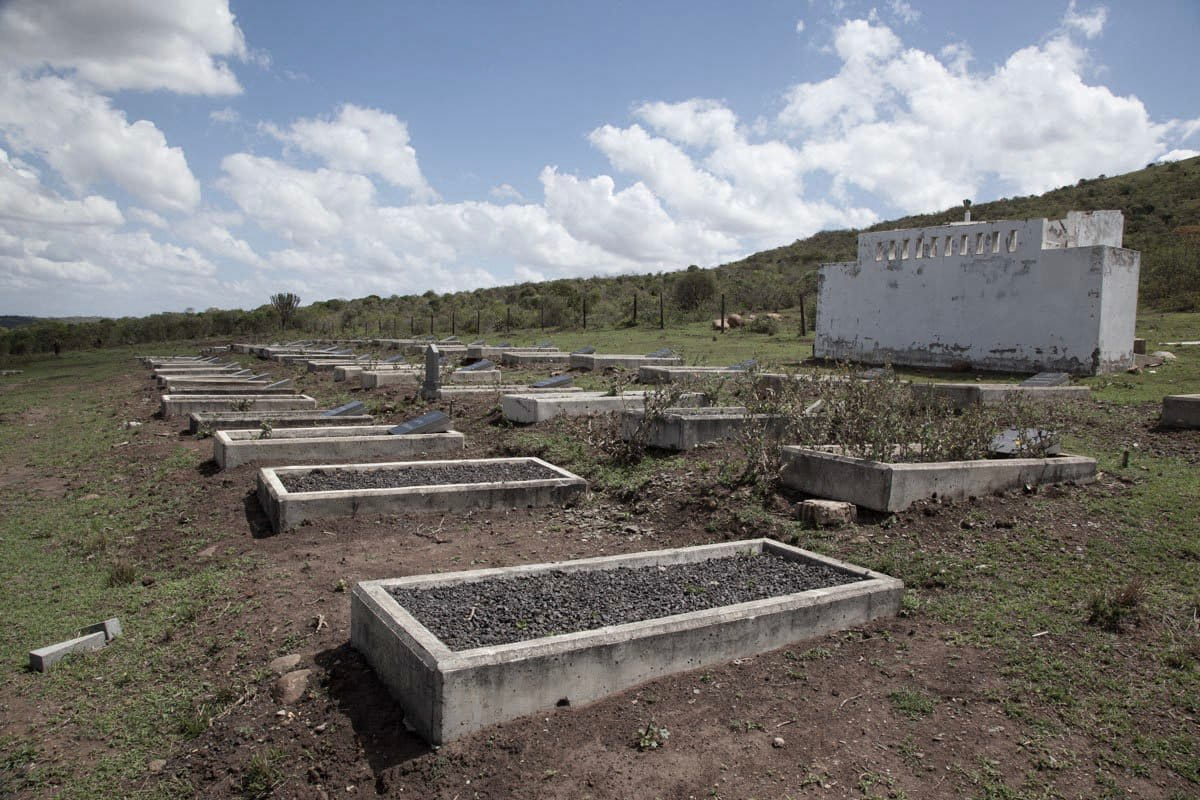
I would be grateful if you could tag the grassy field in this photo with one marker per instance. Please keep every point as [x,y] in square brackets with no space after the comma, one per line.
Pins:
[97,520]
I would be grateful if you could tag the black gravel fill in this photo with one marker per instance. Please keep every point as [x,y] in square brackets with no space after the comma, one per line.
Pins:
[417,475]
[506,610]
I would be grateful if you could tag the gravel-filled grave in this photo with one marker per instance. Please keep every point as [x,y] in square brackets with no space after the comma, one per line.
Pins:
[506,610]
[321,480]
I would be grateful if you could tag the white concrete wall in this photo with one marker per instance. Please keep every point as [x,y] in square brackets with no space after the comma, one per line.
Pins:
[1022,296]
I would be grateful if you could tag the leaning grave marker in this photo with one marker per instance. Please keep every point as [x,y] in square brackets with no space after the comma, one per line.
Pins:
[232,448]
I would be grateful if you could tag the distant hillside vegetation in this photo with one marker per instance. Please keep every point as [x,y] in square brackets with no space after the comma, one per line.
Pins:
[1162,219]
[1161,204]
[14,321]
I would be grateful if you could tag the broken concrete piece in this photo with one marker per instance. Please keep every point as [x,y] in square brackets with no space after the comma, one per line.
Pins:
[111,628]
[826,513]
[44,658]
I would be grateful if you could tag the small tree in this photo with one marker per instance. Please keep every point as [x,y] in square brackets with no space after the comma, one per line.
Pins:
[286,304]
[694,288]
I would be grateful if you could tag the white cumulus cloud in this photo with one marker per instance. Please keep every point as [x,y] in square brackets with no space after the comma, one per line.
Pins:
[362,140]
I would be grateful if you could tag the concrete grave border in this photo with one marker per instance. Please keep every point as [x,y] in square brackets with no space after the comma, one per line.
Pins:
[287,509]
[447,694]
[232,448]
[886,486]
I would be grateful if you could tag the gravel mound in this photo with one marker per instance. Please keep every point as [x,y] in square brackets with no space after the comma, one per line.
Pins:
[501,611]
[418,475]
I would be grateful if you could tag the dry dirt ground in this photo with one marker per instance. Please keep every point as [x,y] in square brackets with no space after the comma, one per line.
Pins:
[911,707]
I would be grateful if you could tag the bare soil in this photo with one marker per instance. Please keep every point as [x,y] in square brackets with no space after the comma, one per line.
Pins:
[829,701]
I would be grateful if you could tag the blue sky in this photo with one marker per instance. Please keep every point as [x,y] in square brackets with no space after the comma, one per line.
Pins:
[163,155]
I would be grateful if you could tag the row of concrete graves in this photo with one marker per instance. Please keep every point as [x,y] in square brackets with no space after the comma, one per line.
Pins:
[448,685]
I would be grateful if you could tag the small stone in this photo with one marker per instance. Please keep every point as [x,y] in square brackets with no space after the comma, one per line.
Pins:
[1165,355]
[284,663]
[291,687]
[826,513]
[157,765]
[322,727]
[207,552]
[778,742]
[92,496]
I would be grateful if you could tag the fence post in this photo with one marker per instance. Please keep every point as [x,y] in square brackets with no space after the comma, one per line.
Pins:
[431,323]
[803,318]
[452,322]
[478,330]
[585,313]
[661,319]
[635,308]
[722,312]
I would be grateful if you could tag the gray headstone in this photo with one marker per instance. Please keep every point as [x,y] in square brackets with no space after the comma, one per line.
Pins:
[545,344]
[433,422]
[553,383]
[259,377]
[283,384]
[1048,379]
[393,359]
[665,352]
[343,352]
[504,344]
[477,343]
[481,364]
[584,351]
[1013,442]
[748,364]
[240,373]
[872,374]
[449,340]
[433,373]
[353,407]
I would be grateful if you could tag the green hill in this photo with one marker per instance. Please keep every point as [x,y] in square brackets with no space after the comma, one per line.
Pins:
[1161,204]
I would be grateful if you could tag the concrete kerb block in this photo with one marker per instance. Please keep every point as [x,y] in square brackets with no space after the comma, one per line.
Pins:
[1181,411]
[93,637]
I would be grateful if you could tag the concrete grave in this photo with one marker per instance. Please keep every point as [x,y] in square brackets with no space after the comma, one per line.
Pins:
[374,379]
[527,409]
[1011,295]
[450,392]
[661,375]
[534,358]
[175,404]
[232,448]
[688,428]
[241,420]
[961,395]
[600,361]
[240,388]
[1181,411]
[449,693]
[1048,379]
[885,486]
[287,509]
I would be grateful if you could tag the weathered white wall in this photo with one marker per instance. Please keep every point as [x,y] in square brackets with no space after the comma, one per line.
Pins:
[1019,296]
